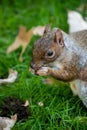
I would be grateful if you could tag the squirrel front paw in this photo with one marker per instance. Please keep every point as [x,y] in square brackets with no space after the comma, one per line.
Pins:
[43,71]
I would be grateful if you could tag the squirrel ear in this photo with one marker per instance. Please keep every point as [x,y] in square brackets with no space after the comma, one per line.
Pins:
[59,38]
[47,28]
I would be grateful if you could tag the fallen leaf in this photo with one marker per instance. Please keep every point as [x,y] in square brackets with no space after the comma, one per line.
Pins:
[7,123]
[23,39]
[2,123]
[39,30]
[11,77]
[76,22]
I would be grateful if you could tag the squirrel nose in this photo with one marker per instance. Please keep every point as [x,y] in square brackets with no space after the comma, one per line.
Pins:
[35,66]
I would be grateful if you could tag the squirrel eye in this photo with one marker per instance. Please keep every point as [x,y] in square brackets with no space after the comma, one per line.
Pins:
[50,53]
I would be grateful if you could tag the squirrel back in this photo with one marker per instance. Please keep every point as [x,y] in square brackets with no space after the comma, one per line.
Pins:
[80,38]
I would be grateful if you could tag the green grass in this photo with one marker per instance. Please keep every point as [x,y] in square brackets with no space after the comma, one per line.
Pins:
[61,111]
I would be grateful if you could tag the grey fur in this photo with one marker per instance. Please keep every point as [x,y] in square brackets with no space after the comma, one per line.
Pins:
[70,64]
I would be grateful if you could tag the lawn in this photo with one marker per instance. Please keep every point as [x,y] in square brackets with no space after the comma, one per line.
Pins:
[61,110]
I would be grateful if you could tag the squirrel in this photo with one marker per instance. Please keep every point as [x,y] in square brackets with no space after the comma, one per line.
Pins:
[64,57]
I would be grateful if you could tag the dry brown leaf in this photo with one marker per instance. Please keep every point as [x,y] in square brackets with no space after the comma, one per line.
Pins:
[39,30]
[11,77]
[7,123]
[23,39]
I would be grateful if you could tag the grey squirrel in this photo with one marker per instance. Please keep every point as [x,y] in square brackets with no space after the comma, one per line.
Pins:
[63,57]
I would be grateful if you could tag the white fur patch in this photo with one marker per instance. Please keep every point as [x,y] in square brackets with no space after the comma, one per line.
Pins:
[56,65]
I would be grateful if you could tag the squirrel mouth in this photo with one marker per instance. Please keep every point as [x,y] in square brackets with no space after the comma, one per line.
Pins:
[34,71]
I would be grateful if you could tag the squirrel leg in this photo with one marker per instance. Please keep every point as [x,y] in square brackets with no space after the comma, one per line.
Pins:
[83,91]
[60,74]
[79,88]
[74,88]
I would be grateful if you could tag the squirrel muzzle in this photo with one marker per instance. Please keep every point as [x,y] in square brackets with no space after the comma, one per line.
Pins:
[34,66]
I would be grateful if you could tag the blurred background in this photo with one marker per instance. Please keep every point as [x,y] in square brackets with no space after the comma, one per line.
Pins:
[61,110]
[14,13]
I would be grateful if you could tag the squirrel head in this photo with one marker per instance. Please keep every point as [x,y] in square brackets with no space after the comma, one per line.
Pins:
[47,48]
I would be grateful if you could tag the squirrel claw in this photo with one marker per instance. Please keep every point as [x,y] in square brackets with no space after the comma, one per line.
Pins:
[43,71]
